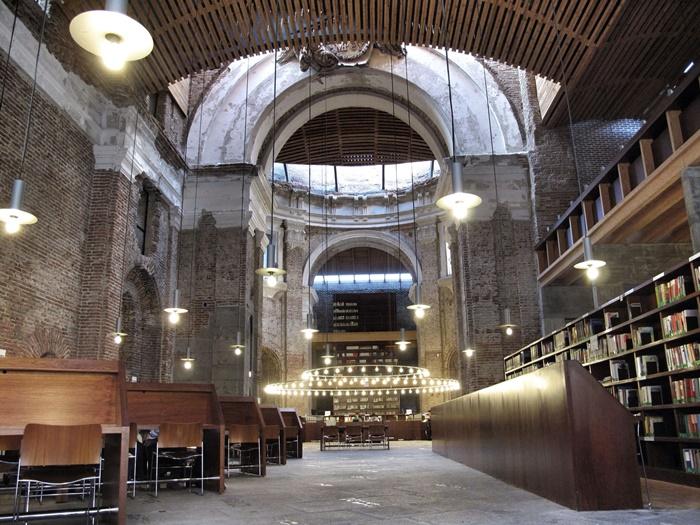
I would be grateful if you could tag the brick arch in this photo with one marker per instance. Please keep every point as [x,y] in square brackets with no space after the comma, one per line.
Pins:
[270,371]
[142,321]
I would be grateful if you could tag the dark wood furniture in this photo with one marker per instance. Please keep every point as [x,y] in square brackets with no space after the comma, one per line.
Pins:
[408,430]
[555,432]
[152,404]
[275,431]
[72,392]
[294,432]
[245,425]
[627,346]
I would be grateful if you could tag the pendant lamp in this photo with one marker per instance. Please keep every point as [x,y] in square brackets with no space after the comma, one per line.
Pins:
[403,343]
[591,265]
[507,326]
[188,360]
[271,272]
[327,356]
[112,35]
[310,330]
[175,311]
[14,217]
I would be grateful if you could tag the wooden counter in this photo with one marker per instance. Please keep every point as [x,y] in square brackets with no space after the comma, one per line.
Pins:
[555,432]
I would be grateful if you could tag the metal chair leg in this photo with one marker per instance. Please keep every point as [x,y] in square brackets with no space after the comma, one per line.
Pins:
[201,462]
[136,459]
[156,473]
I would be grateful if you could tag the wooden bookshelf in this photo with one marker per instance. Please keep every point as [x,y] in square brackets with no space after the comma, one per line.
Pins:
[644,348]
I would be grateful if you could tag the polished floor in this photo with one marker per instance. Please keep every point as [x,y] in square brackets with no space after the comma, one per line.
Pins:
[405,485]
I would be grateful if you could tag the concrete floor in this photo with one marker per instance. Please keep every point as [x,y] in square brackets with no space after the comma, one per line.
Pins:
[407,484]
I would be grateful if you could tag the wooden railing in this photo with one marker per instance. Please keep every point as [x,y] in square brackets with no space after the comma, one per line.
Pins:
[663,134]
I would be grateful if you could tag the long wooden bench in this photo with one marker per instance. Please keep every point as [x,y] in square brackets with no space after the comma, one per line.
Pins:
[294,432]
[275,432]
[71,392]
[150,405]
[245,427]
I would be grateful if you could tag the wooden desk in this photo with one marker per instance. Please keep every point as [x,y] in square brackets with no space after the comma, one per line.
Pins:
[406,430]
[274,420]
[151,404]
[244,410]
[72,392]
[294,429]
[555,432]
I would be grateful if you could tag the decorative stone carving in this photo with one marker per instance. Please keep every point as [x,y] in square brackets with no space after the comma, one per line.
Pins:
[327,57]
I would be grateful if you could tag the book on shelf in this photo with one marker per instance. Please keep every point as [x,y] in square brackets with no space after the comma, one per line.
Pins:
[691,460]
[685,390]
[628,396]
[653,426]
[647,365]
[561,339]
[635,310]
[547,347]
[611,319]
[513,362]
[618,343]
[689,426]
[683,356]
[679,323]
[670,291]
[650,395]
[643,335]
[535,352]
[619,370]
[696,276]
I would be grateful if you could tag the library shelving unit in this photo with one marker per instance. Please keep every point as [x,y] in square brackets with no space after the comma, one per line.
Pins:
[644,348]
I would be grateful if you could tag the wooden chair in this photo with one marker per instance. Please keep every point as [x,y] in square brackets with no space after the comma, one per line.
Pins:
[329,435]
[294,432]
[354,434]
[245,432]
[275,434]
[178,443]
[238,437]
[65,458]
[133,456]
[377,434]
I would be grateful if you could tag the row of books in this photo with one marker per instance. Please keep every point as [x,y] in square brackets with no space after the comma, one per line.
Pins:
[561,339]
[686,390]
[679,323]
[585,329]
[684,356]
[610,319]
[643,335]
[652,426]
[650,395]
[513,362]
[689,426]
[691,460]
[670,291]
[628,396]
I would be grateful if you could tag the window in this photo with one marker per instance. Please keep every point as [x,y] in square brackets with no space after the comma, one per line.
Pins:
[142,221]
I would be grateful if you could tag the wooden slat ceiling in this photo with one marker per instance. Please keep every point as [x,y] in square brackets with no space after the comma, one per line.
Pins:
[362,260]
[609,48]
[354,137]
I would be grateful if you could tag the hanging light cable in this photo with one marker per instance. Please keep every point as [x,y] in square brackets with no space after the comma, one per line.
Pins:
[112,35]
[9,53]
[458,202]
[14,216]
[310,329]
[589,264]
[118,335]
[239,347]
[418,307]
[327,357]
[402,343]
[270,271]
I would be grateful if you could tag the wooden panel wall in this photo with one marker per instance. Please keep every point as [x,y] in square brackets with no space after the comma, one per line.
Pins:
[555,432]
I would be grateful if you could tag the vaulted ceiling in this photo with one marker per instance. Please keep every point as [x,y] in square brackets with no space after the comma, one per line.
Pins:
[354,137]
[616,55]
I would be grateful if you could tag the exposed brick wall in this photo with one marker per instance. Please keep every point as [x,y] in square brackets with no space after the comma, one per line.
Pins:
[42,265]
[172,119]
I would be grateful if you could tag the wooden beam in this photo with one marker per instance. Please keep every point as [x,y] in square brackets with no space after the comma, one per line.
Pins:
[645,148]
[675,131]
[623,172]
[604,190]
[575,225]
[589,213]
[562,243]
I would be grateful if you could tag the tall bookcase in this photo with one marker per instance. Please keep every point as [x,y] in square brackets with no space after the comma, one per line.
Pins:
[644,348]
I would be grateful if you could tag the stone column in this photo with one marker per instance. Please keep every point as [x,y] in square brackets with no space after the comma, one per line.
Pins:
[690,178]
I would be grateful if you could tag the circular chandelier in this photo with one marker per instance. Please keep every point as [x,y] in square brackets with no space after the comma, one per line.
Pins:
[371,380]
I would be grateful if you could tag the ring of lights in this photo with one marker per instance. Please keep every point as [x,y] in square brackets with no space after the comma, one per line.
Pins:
[369,380]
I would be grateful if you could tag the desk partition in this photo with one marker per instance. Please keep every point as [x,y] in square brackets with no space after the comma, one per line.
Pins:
[71,392]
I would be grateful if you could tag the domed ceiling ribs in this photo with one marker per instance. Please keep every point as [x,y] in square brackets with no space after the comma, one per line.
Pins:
[618,54]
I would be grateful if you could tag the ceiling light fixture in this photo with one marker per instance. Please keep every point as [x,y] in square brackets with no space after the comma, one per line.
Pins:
[403,343]
[14,217]
[458,202]
[327,357]
[112,35]
[175,311]
[589,264]
[507,326]
[270,271]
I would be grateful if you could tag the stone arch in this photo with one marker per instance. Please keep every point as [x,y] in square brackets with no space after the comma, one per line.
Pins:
[270,371]
[141,319]
[383,241]
[223,108]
